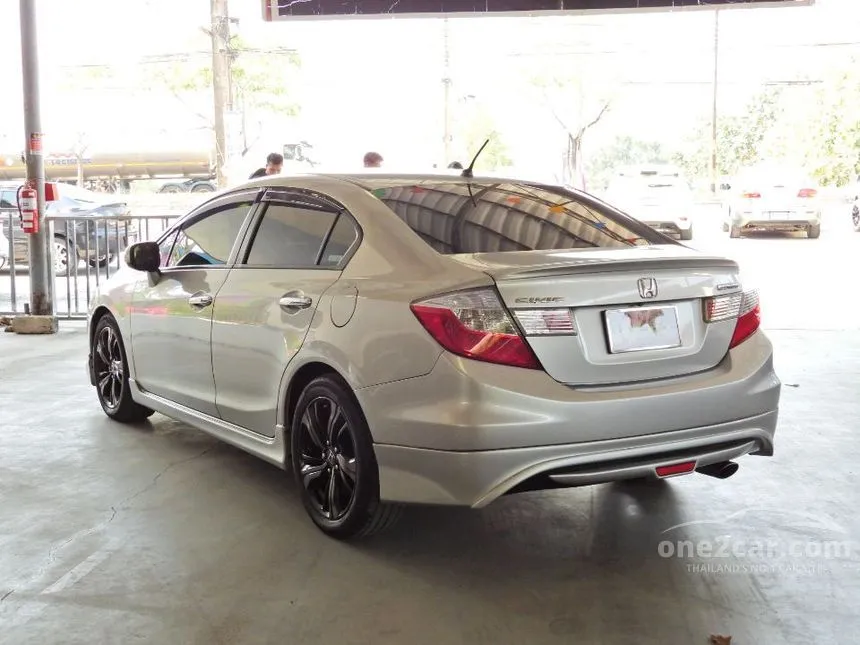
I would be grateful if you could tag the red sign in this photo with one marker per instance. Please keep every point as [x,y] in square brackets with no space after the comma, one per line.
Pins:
[35,143]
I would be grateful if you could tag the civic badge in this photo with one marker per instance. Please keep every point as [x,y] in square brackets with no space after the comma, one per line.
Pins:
[647,288]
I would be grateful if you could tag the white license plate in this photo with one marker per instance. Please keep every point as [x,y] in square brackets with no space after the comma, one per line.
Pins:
[638,329]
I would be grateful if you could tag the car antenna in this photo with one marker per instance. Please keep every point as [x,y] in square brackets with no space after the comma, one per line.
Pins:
[467,172]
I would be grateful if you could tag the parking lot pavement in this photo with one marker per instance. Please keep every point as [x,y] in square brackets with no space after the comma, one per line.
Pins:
[158,534]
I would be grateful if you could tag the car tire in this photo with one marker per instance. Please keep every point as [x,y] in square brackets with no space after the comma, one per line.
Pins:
[110,368]
[735,232]
[101,263]
[62,254]
[170,189]
[202,188]
[687,235]
[334,464]
[814,232]
[855,219]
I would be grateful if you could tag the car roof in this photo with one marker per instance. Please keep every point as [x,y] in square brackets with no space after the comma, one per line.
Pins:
[372,179]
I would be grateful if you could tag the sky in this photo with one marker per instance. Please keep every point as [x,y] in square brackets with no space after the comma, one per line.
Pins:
[378,83]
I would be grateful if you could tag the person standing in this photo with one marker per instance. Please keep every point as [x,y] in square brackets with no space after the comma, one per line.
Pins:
[274,164]
[373,160]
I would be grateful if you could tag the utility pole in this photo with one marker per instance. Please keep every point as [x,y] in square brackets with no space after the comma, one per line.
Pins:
[221,58]
[714,107]
[40,244]
[446,82]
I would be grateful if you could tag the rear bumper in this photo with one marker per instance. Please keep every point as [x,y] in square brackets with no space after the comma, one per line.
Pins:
[475,479]
[670,227]
[469,431]
[762,221]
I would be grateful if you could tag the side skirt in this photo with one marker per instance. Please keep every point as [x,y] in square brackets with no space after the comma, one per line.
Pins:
[271,449]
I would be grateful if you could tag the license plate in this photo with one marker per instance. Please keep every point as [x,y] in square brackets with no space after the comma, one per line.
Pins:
[638,329]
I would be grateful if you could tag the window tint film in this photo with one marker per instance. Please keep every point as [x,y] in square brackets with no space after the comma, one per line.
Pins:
[507,217]
[208,241]
[290,236]
[342,237]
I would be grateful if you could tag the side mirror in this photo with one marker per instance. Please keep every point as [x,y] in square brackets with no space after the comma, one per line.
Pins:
[143,256]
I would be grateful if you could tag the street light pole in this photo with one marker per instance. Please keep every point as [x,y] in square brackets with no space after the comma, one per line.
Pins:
[41,244]
[222,94]
[446,83]
[714,146]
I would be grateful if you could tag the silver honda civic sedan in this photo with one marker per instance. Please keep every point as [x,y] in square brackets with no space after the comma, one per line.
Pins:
[394,339]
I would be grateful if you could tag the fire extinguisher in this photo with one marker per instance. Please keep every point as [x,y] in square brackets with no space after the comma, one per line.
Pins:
[28,208]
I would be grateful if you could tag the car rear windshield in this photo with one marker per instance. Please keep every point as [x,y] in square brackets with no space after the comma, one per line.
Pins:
[484,217]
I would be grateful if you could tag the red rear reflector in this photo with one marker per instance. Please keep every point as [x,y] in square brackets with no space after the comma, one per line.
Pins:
[807,193]
[676,469]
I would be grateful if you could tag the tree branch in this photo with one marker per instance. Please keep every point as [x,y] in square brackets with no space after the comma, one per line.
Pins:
[587,127]
[552,111]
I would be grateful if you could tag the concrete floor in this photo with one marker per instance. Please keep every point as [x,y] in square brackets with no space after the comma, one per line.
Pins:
[159,534]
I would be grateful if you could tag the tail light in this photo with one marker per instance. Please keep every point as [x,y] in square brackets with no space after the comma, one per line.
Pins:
[744,307]
[807,193]
[475,324]
[751,195]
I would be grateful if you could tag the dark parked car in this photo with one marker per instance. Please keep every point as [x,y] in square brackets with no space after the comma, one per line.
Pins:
[82,226]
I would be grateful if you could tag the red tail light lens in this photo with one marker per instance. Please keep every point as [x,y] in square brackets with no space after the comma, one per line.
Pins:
[744,307]
[752,195]
[749,318]
[475,324]
[807,193]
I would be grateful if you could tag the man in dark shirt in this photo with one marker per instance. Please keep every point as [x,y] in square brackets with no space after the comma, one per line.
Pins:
[274,163]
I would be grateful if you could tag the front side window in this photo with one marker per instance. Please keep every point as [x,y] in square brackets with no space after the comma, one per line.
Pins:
[485,216]
[208,241]
[165,247]
[291,235]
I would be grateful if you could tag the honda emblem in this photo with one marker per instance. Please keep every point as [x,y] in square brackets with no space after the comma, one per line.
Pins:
[647,288]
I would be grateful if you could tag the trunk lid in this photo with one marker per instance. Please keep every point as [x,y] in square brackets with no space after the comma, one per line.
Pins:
[638,312]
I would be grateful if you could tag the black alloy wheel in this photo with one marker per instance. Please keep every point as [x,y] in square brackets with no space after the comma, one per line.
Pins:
[334,463]
[328,466]
[110,369]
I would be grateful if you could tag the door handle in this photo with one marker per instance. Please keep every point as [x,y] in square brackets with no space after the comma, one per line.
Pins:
[295,302]
[200,300]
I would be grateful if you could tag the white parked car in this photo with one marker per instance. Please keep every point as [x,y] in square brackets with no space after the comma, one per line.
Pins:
[765,198]
[657,195]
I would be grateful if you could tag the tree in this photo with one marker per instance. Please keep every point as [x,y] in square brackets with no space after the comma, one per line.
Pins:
[577,104]
[262,81]
[470,134]
[623,151]
[820,127]
[740,137]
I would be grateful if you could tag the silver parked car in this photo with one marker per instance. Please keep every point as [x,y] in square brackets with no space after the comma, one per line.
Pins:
[398,339]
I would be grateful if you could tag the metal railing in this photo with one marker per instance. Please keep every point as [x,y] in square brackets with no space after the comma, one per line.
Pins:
[87,251]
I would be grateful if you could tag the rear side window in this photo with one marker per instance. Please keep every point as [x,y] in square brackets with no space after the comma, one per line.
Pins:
[343,236]
[290,236]
[507,217]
